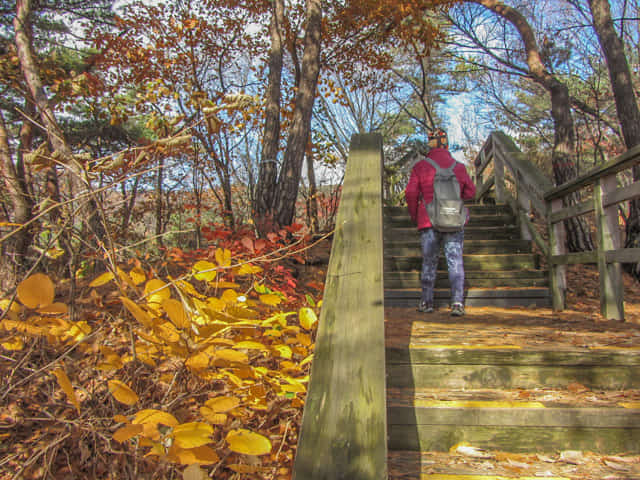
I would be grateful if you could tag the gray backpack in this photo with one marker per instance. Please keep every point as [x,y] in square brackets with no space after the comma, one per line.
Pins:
[446,211]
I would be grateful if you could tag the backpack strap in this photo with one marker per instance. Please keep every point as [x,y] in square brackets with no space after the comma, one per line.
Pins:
[438,168]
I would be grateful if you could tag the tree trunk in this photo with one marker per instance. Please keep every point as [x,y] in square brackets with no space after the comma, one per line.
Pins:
[564,169]
[312,201]
[159,218]
[289,179]
[265,189]
[626,106]
[26,56]
[13,259]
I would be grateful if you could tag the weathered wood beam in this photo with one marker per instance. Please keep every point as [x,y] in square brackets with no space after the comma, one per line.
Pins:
[343,433]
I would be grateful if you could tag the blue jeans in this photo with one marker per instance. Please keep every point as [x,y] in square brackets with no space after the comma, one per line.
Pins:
[430,240]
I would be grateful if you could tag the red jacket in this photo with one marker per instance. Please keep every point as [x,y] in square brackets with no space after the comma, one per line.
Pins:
[420,185]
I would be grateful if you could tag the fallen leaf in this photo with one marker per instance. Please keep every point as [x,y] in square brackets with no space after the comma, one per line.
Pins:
[248,443]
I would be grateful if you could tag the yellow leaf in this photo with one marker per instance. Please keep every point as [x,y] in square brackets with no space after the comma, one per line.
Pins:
[270,299]
[156,291]
[199,361]
[272,333]
[79,330]
[120,419]
[127,432]
[248,443]
[137,275]
[222,404]
[220,285]
[283,351]
[65,384]
[189,456]
[124,277]
[153,417]
[229,296]
[176,312]
[231,356]
[168,332]
[212,417]
[14,344]
[204,270]
[137,312]
[248,269]
[36,291]
[56,308]
[122,393]
[293,388]
[306,360]
[223,257]
[216,304]
[192,434]
[307,318]
[54,253]
[249,345]
[102,280]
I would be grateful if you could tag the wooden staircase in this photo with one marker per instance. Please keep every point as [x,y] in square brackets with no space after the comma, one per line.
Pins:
[500,268]
[500,386]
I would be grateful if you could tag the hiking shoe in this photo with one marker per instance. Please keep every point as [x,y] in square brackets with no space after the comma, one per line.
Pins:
[457,310]
[425,307]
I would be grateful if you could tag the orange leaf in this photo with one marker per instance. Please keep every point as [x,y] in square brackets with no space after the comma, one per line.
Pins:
[122,393]
[125,433]
[36,291]
[65,384]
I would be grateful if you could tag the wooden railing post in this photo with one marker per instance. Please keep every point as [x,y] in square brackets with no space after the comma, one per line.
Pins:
[524,205]
[498,172]
[608,231]
[557,246]
[344,429]
[478,176]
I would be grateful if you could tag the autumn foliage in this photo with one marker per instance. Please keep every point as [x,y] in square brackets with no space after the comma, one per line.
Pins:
[204,365]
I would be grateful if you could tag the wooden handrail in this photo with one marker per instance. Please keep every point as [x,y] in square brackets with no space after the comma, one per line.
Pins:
[344,433]
[535,189]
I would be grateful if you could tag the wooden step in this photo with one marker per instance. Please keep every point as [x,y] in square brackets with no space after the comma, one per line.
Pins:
[493,279]
[470,233]
[473,297]
[505,465]
[520,427]
[474,209]
[404,221]
[407,247]
[514,261]
[455,367]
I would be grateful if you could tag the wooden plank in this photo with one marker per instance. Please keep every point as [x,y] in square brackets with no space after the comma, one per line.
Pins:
[627,160]
[623,255]
[557,247]
[573,211]
[621,194]
[608,232]
[343,433]
[483,189]
[486,355]
[511,376]
[482,293]
[516,439]
[604,417]
[574,258]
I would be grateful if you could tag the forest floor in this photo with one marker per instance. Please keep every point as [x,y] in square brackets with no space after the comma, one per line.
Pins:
[42,435]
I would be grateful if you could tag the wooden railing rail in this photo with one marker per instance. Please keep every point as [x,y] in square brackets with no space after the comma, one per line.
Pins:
[531,185]
[344,433]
